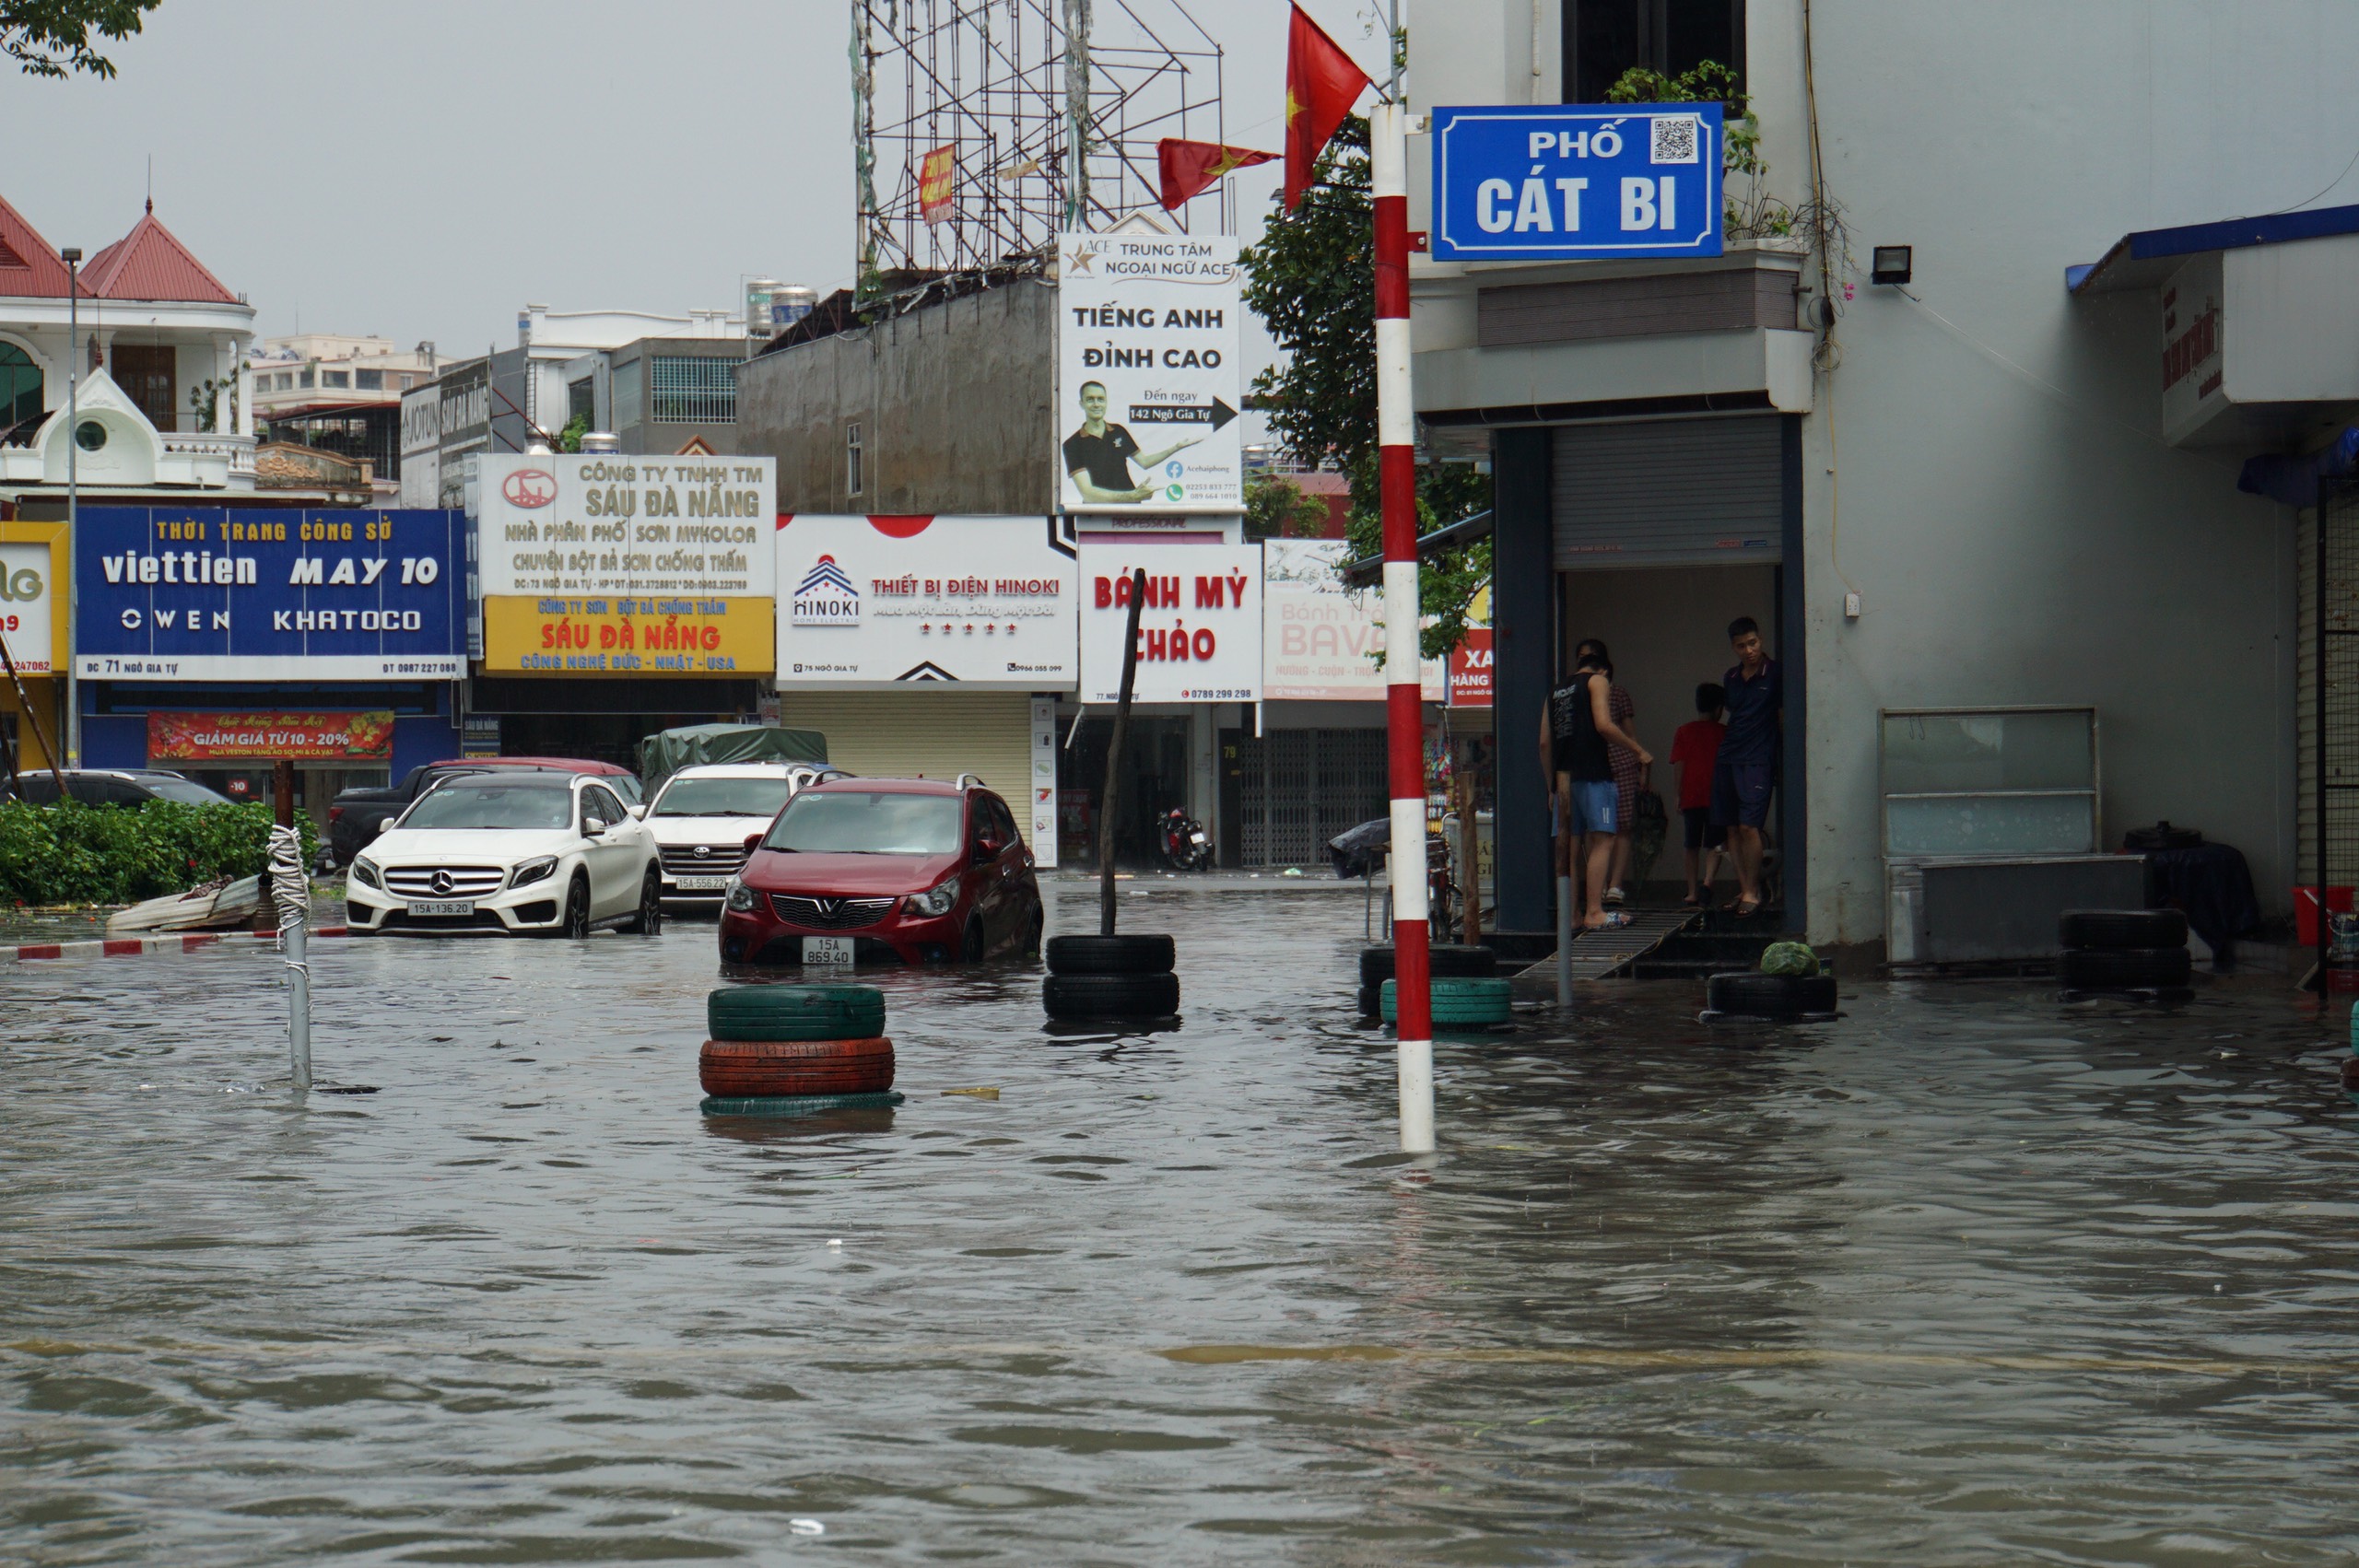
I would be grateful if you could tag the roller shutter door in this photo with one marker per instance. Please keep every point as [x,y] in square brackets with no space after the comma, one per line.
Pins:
[1669,493]
[2328,721]
[929,734]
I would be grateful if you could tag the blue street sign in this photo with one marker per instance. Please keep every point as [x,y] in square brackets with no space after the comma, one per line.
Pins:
[1577,181]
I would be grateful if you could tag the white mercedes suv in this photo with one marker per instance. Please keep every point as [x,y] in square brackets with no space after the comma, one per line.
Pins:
[512,851]
[702,817]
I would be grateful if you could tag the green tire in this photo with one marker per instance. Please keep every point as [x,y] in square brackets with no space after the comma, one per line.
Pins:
[1459,1001]
[796,1012]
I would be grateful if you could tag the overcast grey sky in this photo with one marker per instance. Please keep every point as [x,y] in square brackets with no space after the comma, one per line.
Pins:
[420,168]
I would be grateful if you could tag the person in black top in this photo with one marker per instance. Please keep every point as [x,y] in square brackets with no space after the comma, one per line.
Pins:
[1098,455]
[1574,729]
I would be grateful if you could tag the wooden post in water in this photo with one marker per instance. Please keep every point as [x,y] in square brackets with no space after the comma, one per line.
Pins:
[1470,846]
[1109,797]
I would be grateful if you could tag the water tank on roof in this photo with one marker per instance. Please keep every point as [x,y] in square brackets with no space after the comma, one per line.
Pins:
[758,293]
[789,305]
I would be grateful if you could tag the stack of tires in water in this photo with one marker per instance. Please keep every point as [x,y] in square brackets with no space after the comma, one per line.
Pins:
[784,1050]
[2123,950]
[1110,977]
[1789,985]
[1468,992]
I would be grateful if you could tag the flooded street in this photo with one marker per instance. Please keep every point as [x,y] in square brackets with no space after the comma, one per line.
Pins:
[1968,1276]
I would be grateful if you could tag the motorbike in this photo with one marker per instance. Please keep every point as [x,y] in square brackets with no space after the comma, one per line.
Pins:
[1186,845]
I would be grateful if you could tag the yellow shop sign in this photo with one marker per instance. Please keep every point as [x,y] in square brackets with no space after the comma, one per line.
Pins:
[623,636]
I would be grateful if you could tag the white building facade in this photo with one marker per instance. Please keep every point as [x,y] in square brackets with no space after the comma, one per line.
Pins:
[1969,490]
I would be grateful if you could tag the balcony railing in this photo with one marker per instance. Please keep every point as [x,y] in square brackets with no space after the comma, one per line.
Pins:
[238,449]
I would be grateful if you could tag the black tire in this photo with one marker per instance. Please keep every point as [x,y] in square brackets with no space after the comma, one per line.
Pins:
[649,921]
[1032,934]
[1748,995]
[1454,960]
[794,1012]
[1372,1001]
[2121,928]
[972,946]
[576,924]
[2123,968]
[1110,996]
[1110,955]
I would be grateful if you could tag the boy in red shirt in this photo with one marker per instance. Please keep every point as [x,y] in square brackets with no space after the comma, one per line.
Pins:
[1693,748]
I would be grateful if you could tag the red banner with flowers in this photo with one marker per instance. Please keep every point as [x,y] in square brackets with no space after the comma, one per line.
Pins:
[270,737]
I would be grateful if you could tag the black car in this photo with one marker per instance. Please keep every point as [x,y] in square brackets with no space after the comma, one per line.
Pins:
[115,787]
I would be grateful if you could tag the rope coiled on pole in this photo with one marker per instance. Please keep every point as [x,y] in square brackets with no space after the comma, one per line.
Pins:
[290,890]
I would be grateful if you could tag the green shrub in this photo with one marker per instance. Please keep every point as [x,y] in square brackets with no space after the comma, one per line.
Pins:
[73,853]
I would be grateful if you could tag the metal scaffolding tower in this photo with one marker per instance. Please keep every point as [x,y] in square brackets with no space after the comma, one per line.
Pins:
[1010,88]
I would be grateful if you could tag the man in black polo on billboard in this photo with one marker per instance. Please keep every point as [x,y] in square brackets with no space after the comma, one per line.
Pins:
[1098,455]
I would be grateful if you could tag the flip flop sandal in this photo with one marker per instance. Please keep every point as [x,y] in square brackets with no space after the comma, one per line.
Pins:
[1613,895]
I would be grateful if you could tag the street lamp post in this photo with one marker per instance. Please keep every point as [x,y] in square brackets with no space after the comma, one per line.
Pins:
[73,257]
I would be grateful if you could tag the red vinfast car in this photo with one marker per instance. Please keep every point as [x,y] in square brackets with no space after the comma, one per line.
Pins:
[884,871]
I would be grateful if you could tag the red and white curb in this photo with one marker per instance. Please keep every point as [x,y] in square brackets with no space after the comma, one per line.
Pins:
[128,946]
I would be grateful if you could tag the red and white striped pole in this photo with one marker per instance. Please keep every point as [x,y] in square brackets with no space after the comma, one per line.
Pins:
[1396,441]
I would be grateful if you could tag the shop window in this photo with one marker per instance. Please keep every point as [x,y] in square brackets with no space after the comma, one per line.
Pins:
[1604,39]
[20,386]
[368,381]
[304,378]
[582,401]
[694,391]
[335,378]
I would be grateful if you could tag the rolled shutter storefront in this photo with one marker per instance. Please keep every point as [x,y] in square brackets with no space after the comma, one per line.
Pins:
[1668,493]
[925,734]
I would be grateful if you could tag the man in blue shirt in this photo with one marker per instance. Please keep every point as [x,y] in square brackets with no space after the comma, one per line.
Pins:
[1746,769]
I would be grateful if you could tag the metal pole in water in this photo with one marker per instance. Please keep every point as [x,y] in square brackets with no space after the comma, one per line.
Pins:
[291,890]
[1397,469]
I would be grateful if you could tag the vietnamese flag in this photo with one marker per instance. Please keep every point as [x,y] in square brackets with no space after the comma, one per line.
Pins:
[1322,84]
[1191,167]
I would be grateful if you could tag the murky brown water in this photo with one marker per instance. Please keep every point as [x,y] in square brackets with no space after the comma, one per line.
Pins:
[1967,1277]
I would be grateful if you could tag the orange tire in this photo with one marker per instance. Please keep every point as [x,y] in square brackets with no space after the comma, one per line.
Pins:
[770,1068]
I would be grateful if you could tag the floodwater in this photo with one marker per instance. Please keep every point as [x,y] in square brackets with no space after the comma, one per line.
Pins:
[1966,1276]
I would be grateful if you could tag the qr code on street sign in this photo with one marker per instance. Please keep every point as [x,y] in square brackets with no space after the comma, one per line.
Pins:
[1674,139]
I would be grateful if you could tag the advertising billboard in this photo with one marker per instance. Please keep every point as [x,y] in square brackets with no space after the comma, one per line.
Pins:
[559,525]
[611,564]
[28,579]
[185,594]
[295,737]
[1199,626]
[1148,380]
[874,603]
[1319,640]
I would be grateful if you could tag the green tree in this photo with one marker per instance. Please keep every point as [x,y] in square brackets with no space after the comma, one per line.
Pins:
[570,439]
[1746,212]
[54,37]
[1275,507]
[1312,280]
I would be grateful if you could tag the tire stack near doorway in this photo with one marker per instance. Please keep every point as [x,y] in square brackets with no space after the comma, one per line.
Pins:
[2142,952]
[1451,961]
[1110,977]
[786,1050]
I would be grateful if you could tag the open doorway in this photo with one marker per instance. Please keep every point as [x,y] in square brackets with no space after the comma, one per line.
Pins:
[1154,779]
[1666,628]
